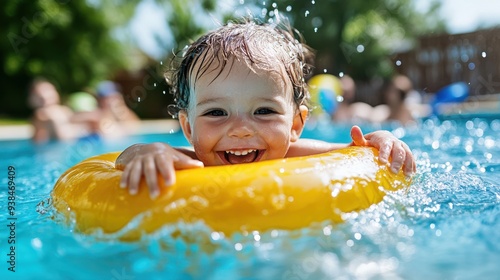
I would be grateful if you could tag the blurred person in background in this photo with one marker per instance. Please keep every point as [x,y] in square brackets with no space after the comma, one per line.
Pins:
[51,120]
[395,92]
[115,118]
[350,111]
[344,110]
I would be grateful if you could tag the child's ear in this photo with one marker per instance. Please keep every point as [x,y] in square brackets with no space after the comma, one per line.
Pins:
[299,120]
[185,125]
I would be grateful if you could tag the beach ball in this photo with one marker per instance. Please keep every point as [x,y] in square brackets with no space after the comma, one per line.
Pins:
[325,90]
[452,93]
[82,102]
[456,92]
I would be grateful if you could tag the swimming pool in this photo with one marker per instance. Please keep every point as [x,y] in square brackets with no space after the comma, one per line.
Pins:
[444,227]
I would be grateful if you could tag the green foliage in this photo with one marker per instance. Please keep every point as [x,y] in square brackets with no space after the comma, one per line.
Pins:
[185,18]
[72,43]
[356,36]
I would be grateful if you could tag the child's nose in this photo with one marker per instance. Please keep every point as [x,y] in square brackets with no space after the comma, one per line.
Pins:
[240,127]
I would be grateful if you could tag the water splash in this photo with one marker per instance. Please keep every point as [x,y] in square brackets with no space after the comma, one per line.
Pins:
[445,224]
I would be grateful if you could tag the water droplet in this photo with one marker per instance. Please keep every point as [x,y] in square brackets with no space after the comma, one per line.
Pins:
[313,2]
[161,62]
[215,236]
[472,66]
[274,5]
[349,243]
[489,142]
[327,231]
[154,84]
[36,243]
[263,12]
[357,236]
[398,62]
[468,148]
[163,92]
[306,13]
[289,8]
[324,70]
[315,29]
[256,237]
[341,74]
[238,246]
[360,48]
[138,99]
[435,145]
[483,54]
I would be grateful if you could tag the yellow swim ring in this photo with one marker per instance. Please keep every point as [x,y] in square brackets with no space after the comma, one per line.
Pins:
[277,194]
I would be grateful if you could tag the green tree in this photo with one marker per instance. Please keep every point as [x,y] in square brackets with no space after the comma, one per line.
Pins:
[188,19]
[355,36]
[73,43]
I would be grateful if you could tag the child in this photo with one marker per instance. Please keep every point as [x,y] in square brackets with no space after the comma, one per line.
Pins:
[241,97]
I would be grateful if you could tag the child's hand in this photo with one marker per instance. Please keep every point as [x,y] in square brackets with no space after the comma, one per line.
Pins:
[388,145]
[149,159]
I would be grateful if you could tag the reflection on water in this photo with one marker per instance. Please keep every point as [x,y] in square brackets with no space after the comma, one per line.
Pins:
[444,227]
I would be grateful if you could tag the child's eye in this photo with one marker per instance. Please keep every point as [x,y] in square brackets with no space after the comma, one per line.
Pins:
[264,111]
[215,113]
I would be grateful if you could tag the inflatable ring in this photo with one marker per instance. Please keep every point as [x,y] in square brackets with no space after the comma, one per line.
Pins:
[277,194]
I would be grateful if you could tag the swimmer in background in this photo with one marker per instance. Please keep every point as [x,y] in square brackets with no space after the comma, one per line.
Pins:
[51,120]
[241,97]
[396,93]
[114,118]
[349,111]
[342,113]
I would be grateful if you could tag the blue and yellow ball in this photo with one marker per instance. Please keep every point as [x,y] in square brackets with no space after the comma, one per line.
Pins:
[325,90]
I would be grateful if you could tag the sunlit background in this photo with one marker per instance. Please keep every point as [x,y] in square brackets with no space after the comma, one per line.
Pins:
[78,43]
[459,16]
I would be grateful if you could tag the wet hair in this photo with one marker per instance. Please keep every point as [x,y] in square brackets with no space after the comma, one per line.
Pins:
[273,47]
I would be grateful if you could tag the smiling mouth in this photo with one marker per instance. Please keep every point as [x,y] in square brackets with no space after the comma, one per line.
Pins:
[241,156]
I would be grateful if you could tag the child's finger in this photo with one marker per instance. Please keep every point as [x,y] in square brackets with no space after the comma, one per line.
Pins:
[125,176]
[170,178]
[182,161]
[398,156]
[149,169]
[166,169]
[384,150]
[357,136]
[409,161]
[134,177]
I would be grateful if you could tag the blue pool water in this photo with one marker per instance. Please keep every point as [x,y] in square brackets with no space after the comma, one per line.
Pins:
[445,227]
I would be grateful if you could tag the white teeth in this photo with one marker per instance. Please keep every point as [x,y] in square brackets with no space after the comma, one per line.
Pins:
[240,153]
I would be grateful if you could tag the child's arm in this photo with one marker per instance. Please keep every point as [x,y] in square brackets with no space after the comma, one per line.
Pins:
[149,159]
[387,144]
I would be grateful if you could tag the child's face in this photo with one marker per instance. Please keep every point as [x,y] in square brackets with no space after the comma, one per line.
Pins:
[239,116]
[43,94]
